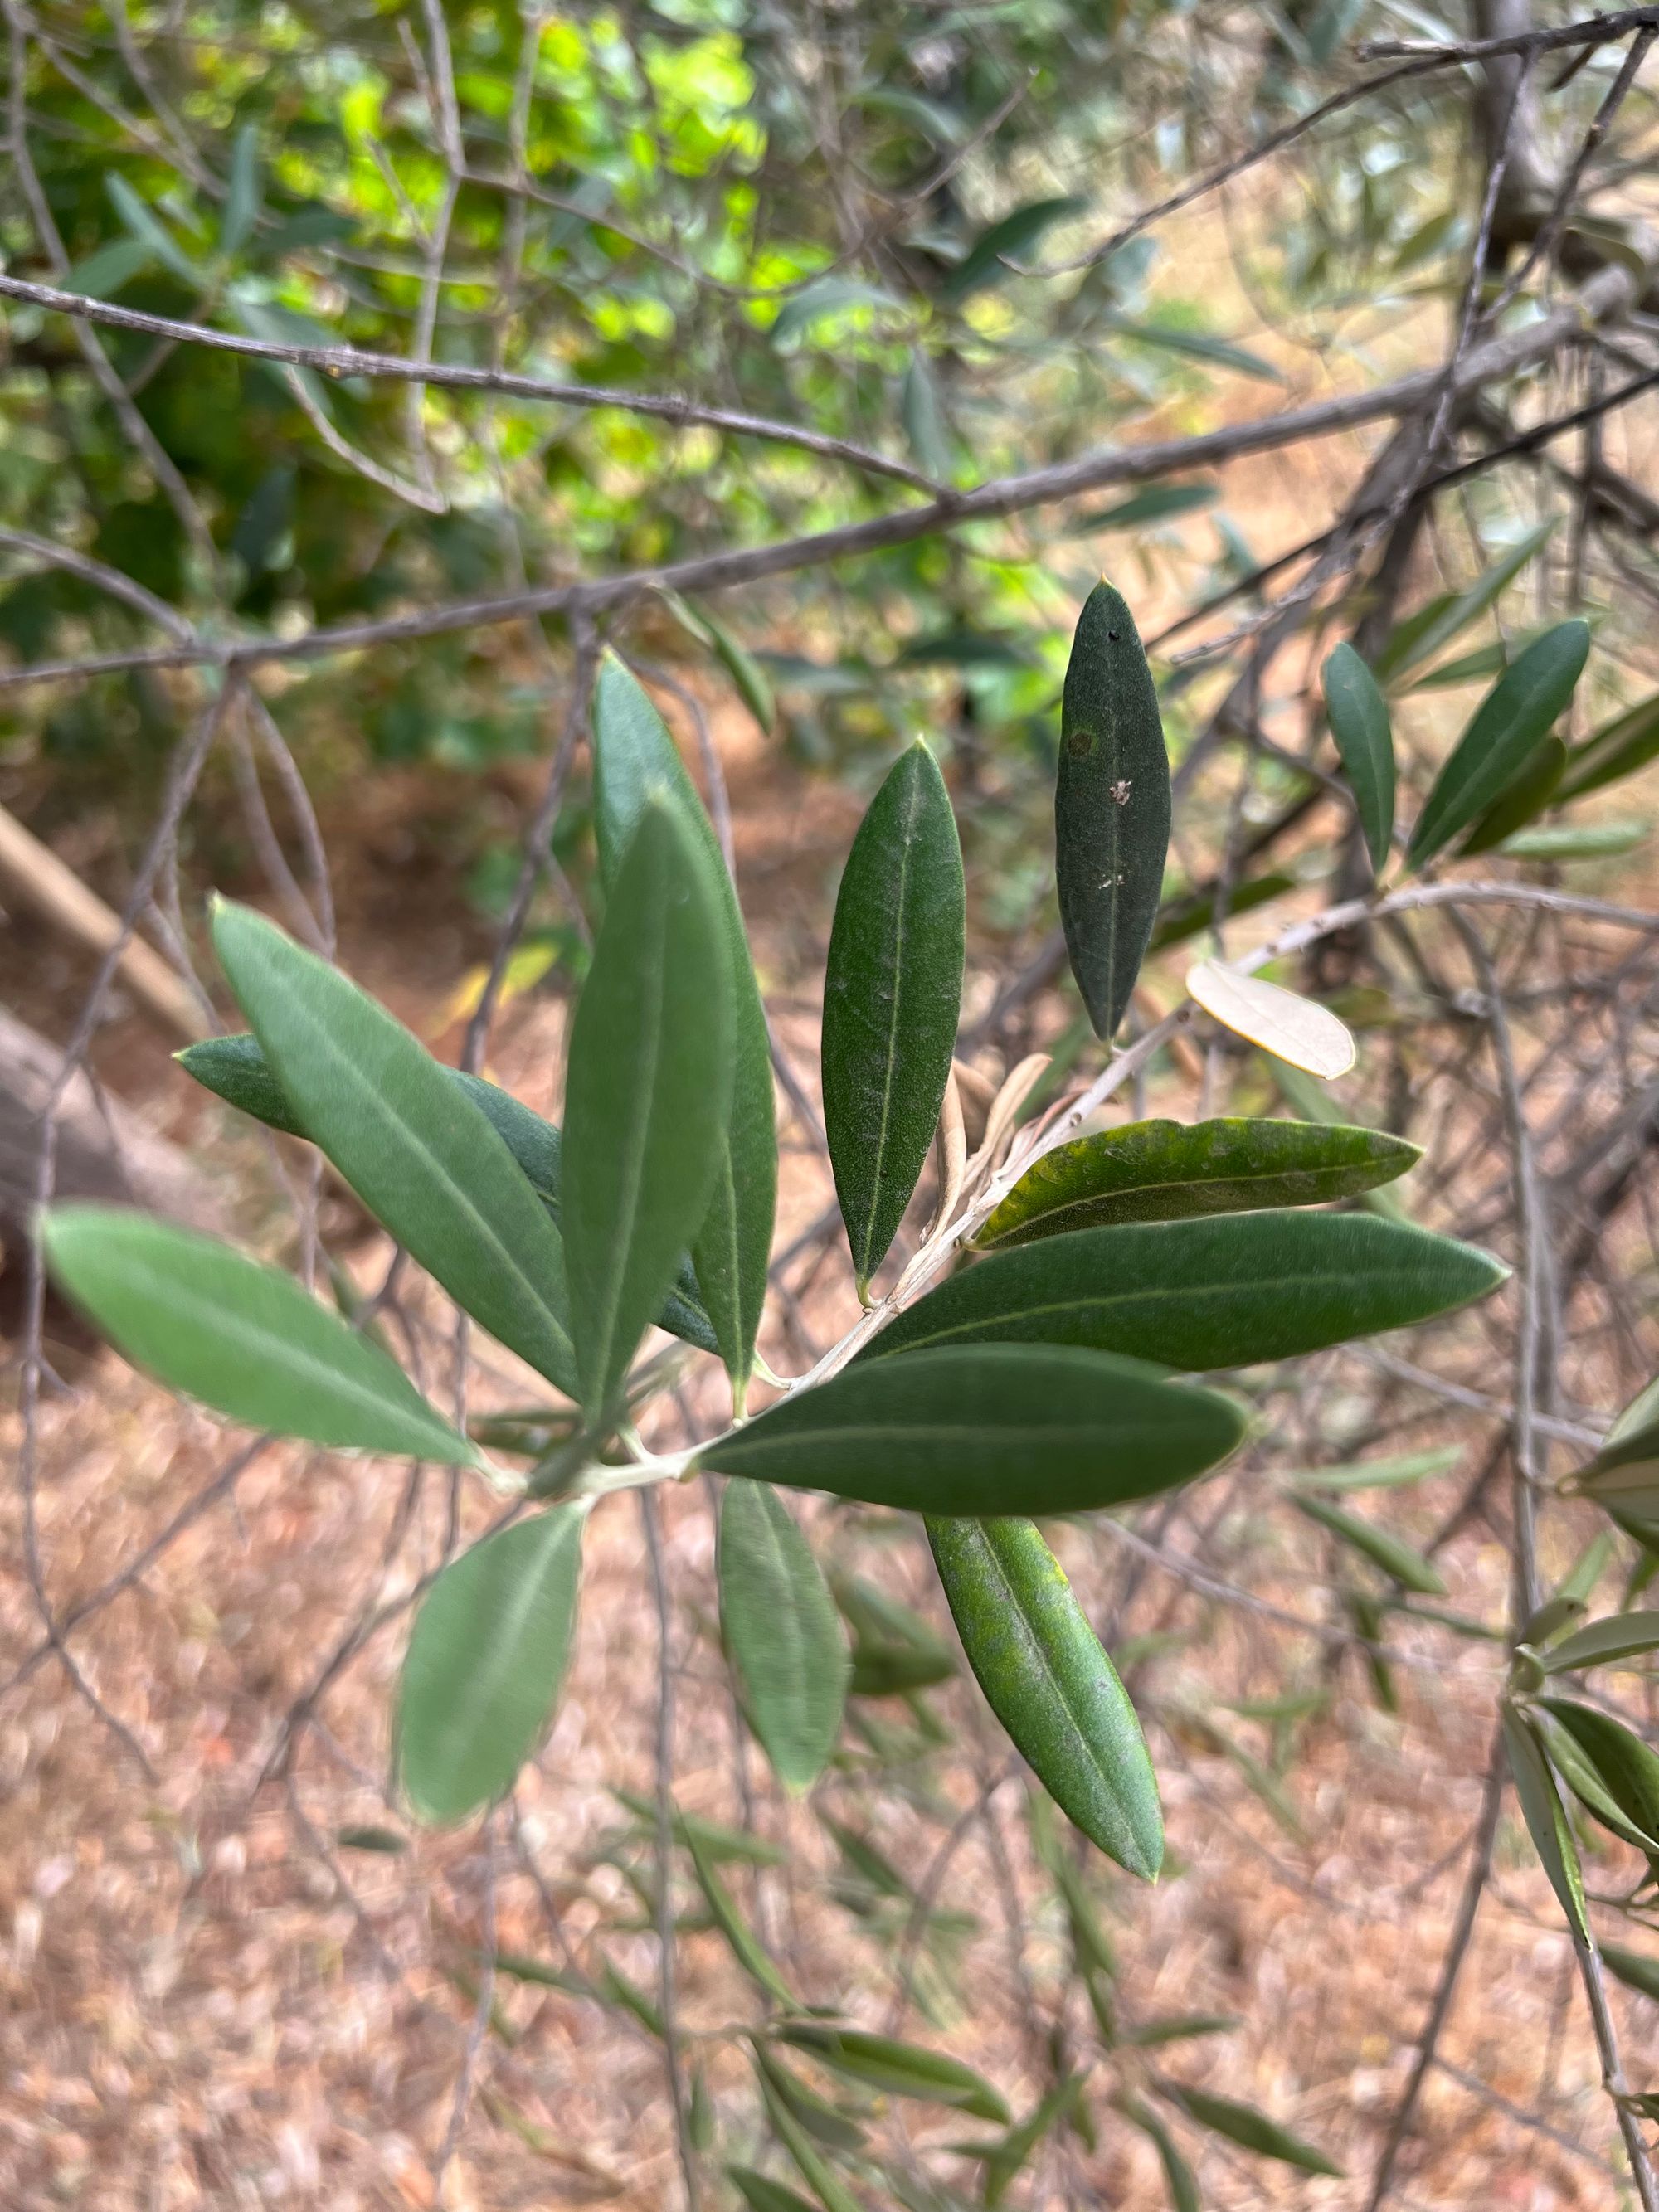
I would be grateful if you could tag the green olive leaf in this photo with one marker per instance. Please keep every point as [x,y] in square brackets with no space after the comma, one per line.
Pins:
[1359,723]
[1176,1170]
[414,1147]
[1223,1292]
[892,996]
[783,1633]
[998,1429]
[485,1663]
[246,1340]
[1112,806]
[1510,720]
[647,1095]
[1049,1682]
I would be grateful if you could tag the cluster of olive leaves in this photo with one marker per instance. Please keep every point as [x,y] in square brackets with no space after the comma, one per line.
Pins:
[1039,1378]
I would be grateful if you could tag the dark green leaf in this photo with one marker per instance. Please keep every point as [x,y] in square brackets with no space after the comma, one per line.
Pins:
[1627,1767]
[1007,240]
[1525,797]
[648,1094]
[1050,1683]
[386,1841]
[633,756]
[1617,749]
[762,2195]
[1177,2174]
[1173,1171]
[1600,1642]
[235,1069]
[1546,1817]
[1180,2027]
[1359,722]
[745,1946]
[1510,721]
[1224,1292]
[485,1663]
[1527,793]
[1155,504]
[896,1670]
[754,686]
[1633,1968]
[1112,806]
[418,1153]
[892,994]
[903,2070]
[1006,1429]
[782,1633]
[1251,2130]
[246,1340]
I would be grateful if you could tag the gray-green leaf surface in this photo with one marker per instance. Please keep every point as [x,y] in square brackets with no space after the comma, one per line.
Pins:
[783,1632]
[419,1152]
[485,1663]
[244,1339]
[648,1094]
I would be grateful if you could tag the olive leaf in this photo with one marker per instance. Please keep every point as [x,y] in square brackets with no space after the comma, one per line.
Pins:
[1112,806]
[1510,721]
[783,1631]
[419,1152]
[244,1339]
[1050,1683]
[648,1094]
[998,1429]
[1359,723]
[1176,1170]
[892,993]
[634,757]
[485,1663]
[1222,1293]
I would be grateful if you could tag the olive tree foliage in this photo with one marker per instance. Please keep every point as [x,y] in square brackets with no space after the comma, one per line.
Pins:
[406,372]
